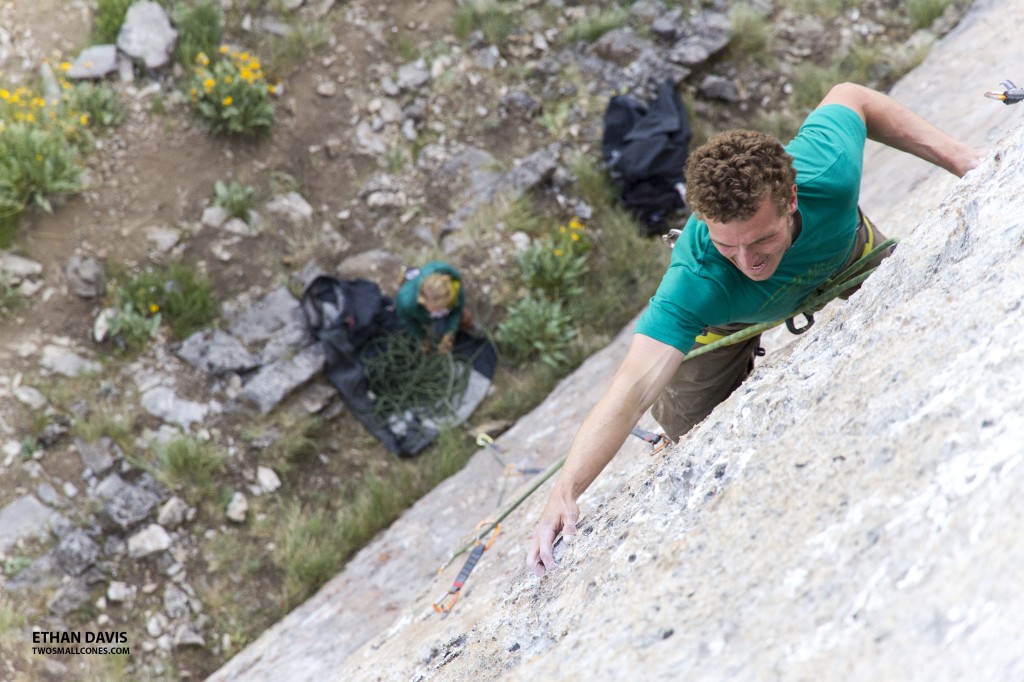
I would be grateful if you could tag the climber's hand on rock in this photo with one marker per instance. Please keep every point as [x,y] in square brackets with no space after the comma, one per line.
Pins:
[560,516]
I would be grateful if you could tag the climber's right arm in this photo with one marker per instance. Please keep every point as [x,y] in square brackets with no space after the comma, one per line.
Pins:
[647,368]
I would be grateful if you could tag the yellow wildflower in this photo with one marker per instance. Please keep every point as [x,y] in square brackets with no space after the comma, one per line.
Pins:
[65,66]
[30,118]
[228,79]
[559,253]
[575,224]
[223,49]
[39,157]
[14,98]
[227,101]
[154,308]
[271,88]
[575,237]
[202,59]
[209,83]
[84,118]
[246,75]
[4,95]
[561,229]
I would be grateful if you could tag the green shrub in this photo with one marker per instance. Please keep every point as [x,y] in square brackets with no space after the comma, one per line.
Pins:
[750,34]
[235,198]
[593,27]
[487,16]
[182,296]
[36,162]
[10,296]
[199,31]
[130,329]
[556,264]
[100,103]
[536,327]
[191,465]
[230,94]
[923,13]
[108,20]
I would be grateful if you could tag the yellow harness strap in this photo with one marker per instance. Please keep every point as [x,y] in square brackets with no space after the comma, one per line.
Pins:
[871,236]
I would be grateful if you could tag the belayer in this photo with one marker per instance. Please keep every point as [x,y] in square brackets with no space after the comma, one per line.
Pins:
[770,224]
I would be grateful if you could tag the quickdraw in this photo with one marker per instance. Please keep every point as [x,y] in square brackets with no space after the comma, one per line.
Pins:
[1010,93]
[657,441]
[446,603]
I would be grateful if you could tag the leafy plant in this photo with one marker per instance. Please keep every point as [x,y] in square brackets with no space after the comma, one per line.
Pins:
[199,31]
[923,13]
[108,20]
[11,297]
[130,329]
[536,327]
[556,264]
[189,464]
[231,94]
[750,33]
[593,27]
[182,296]
[487,16]
[100,103]
[235,198]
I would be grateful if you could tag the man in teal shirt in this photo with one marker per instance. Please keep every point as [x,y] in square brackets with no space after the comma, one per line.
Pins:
[770,225]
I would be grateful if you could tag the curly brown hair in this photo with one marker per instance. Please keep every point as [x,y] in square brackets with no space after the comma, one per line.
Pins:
[729,176]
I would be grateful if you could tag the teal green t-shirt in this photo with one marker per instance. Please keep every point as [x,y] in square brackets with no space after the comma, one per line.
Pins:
[702,288]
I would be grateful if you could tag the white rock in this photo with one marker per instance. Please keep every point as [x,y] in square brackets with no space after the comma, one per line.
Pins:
[118,592]
[238,508]
[268,479]
[151,539]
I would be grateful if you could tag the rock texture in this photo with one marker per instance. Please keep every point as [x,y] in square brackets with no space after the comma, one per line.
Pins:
[848,514]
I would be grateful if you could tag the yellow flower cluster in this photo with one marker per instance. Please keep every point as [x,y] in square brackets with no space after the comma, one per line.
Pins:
[22,105]
[573,231]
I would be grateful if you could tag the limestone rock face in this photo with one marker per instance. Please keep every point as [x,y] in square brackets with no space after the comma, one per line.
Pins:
[850,513]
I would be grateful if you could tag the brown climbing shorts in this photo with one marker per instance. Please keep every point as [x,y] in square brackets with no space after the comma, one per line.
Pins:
[702,383]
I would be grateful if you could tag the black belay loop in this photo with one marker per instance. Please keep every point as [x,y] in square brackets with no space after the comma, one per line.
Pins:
[791,323]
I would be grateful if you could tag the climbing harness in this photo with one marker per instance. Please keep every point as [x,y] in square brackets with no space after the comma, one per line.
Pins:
[1010,93]
[847,279]
[446,603]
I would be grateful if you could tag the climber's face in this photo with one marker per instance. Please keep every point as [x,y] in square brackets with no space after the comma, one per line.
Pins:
[756,245]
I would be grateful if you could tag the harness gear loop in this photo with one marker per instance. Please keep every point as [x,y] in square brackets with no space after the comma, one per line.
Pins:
[446,602]
[791,323]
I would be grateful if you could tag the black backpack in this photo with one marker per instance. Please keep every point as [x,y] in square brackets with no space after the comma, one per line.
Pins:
[644,150]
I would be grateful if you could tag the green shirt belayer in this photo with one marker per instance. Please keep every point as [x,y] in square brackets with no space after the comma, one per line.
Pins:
[702,288]
[415,316]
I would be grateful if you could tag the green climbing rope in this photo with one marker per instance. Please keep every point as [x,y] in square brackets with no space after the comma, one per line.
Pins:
[402,377]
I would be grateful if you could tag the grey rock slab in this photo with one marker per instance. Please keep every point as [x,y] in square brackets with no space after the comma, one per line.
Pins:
[147,34]
[275,323]
[31,397]
[176,603]
[291,207]
[131,503]
[94,62]
[621,46]
[43,574]
[377,265]
[717,87]
[708,34]
[24,518]
[65,362]
[535,169]
[216,352]
[69,597]
[76,552]
[98,456]
[273,382]
[163,403]
[85,276]
[172,513]
[413,75]
[19,267]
